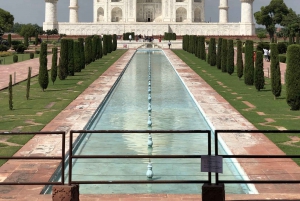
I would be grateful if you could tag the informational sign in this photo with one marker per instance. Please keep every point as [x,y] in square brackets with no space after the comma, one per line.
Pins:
[212,164]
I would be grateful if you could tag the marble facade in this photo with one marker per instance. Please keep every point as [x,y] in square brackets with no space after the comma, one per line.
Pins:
[150,17]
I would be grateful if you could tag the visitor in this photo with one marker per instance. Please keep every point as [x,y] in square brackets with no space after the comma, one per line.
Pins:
[254,56]
[269,55]
[130,38]
[266,52]
[169,43]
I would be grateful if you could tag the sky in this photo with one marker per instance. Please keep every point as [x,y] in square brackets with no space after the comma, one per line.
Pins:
[33,11]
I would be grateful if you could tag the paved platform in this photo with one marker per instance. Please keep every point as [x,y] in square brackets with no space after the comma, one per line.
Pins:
[219,112]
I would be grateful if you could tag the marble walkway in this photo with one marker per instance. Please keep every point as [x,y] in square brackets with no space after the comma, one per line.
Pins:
[218,111]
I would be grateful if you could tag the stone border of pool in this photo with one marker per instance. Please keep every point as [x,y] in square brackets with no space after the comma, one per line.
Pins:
[219,113]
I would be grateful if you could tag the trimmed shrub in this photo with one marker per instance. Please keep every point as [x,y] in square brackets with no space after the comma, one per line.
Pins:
[213,55]
[114,42]
[10,93]
[26,41]
[15,58]
[104,45]
[230,57]
[275,72]
[19,48]
[71,57]
[54,65]
[31,55]
[36,41]
[28,83]
[291,40]
[282,47]
[87,50]
[37,51]
[239,60]
[224,56]
[282,58]
[262,45]
[63,61]
[259,79]
[101,48]
[43,71]
[219,53]
[77,57]
[249,64]
[94,48]
[9,40]
[293,77]
[16,42]
[82,56]
[203,51]
[3,48]
[209,52]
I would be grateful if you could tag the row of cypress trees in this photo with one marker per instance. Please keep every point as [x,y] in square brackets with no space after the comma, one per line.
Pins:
[253,70]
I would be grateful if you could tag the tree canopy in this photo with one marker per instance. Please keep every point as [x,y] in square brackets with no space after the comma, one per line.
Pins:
[28,29]
[271,15]
[291,22]
[6,21]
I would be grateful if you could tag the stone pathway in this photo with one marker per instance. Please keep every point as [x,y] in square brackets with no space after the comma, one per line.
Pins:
[218,111]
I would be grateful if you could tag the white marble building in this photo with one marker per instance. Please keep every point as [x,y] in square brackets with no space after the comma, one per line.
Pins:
[150,17]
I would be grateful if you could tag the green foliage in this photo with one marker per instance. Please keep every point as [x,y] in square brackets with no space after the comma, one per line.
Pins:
[63,61]
[43,71]
[94,48]
[15,58]
[262,45]
[114,42]
[6,22]
[101,48]
[26,42]
[10,92]
[105,45]
[219,53]
[77,57]
[282,47]
[31,55]
[259,79]
[224,56]
[19,48]
[282,58]
[9,40]
[239,60]
[88,50]
[261,35]
[3,48]
[275,71]
[271,15]
[291,40]
[71,57]
[213,55]
[28,83]
[36,40]
[230,57]
[54,65]
[293,77]
[291,22]
[28,29]
[249,64]
[202,46]
[82,55]
[297,38]
[209,52]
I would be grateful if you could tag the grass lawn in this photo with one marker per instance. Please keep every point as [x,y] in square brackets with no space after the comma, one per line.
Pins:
[35,113]
[21,57]
[236,92]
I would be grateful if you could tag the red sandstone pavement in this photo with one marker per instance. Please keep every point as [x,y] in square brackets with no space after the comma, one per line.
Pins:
[219,112]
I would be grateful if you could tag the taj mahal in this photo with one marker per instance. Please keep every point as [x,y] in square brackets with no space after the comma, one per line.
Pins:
[150,17]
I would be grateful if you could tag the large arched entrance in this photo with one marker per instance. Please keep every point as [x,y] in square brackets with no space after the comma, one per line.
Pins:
[100,15]
[116,14]
[181,14]
[197,15]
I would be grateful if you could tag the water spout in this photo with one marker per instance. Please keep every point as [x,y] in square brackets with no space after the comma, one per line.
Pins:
[149,173]
[149,121]
[150,142]
[149,107]
[149,98]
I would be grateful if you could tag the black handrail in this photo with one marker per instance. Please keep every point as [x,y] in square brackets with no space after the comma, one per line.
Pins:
[254,156]
[62,157]
[72,156]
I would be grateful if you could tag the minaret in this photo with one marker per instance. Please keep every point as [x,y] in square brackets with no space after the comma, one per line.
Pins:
[223,15]
[247,11]
[73,11]
[51,11]
[50,14]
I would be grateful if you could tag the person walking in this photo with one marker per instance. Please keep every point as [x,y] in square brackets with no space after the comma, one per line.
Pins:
[130,38]
[169,44]
[266,52]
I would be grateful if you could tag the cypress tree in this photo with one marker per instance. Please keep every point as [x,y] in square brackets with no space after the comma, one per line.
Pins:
[98,47]
[94,48]
[28,83]
[54,65]
[191,44]
[199,47]
[82,56]
[275,71]
[203,51]
[77,57]
[249,64]
[36,41]
[26,40]
[224,56]
[293,77]
[9,40]
[196,46]
[104,45]
[291,40]
[114,42]
[297,38]
[109,43]
[101,48]
[259,78]
[71,57]
[87,50]
[209,51]
[213,54]
[43,71]
[219,53]
[230,57]
[10,93]
[63,61]
[239,60]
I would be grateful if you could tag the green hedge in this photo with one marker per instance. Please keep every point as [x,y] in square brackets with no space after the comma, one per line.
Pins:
[275,71]
[282,58]
[239,61]
[249,64]
[259,79]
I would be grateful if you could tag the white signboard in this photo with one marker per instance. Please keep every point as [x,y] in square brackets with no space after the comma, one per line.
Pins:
[212,164]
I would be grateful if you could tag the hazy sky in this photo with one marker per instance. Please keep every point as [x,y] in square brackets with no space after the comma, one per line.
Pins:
[33,11]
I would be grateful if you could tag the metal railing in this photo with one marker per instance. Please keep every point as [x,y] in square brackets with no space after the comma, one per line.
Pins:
[217,132]
[61,158]
[72,156]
